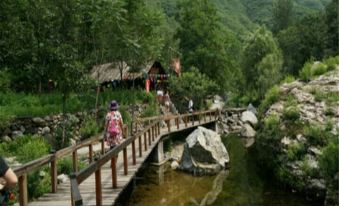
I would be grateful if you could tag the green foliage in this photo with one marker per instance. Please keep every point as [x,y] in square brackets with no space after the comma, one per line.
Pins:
[26,148]
[65,166]
[319,69]
[193,85]
[262,62]
[296,151]
[89,127]
[39,182]
[291,114]
[271,97]
[316,134]
[151,110]
[329,97]
[32,150]
[206,44]
[5,80]
[283,14]
[331,62]
[288,79]
[306,72]
[268,142]
[62,136]
[329,162]
[284,175]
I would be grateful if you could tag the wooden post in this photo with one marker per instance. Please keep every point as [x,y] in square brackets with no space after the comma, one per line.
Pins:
[103,146]
[145,140]
[90,152]
[168,125]
[133,153]
[185,120]
[177,121]
[199,116]
[125,161]
[75,161]
[210,113]
[140,147]
[152,128]
[204,117]
[23,194]
[114,172]
[158,126]
[54,174]
[149,137]
[98,191]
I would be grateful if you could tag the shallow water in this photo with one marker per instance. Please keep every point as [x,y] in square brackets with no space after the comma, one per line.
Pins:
[239,186]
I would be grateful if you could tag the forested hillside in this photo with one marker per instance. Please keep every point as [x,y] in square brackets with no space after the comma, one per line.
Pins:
[241,16]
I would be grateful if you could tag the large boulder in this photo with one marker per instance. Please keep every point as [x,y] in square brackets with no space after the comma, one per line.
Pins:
[249,117]
[204,153]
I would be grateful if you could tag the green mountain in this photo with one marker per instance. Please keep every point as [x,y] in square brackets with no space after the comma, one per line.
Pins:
[241,16]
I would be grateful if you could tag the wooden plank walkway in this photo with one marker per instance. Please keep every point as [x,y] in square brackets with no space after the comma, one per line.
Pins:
[109,195]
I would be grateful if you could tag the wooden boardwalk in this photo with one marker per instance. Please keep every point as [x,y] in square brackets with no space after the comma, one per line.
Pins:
[87,188]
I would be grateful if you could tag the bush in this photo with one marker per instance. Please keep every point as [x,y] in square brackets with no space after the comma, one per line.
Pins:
[271,97]
[331,63]
[306,72]
[88,127]
[39,182]
[288,79]
[65,165]
[296,151]
[33,149]
[284,175]
[151,110]
[319,69]
[5,80]
[291,114]
[328,162]
[26,148]
[316,135]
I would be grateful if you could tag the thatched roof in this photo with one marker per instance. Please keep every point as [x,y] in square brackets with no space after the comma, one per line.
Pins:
[110,71]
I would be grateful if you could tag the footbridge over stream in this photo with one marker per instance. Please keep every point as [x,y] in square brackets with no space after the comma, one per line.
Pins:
[108,172]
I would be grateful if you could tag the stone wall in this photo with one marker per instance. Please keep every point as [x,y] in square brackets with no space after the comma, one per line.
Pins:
[43,126]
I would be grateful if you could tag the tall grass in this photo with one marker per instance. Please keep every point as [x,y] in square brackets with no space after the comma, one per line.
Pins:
[22,104]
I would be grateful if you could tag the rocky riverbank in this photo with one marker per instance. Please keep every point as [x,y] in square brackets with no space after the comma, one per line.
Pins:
[299,136]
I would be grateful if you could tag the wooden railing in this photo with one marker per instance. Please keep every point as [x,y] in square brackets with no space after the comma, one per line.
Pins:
[150,134]
[51,161]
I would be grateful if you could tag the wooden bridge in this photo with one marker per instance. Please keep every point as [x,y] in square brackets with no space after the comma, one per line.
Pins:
[105,177]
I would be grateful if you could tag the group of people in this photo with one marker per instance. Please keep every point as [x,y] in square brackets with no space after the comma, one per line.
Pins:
[164,99]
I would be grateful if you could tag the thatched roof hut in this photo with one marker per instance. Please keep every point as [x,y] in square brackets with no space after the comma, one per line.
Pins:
[108,72]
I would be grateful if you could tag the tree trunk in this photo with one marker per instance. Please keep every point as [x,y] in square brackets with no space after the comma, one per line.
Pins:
[63,120]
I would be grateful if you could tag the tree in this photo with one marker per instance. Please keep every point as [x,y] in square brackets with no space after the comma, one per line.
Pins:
[283,14]
[262,62]
[191,84]
[332,22]
[205,43]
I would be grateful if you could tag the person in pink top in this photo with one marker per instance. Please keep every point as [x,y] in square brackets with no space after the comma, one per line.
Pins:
[113,126]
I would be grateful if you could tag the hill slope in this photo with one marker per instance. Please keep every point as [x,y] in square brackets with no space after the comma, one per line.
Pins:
[240,16]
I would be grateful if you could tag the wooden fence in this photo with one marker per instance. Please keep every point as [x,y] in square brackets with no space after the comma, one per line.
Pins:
[149,133]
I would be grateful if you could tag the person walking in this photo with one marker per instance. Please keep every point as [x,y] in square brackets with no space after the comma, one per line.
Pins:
[190,105]
[113,125]
[167,101]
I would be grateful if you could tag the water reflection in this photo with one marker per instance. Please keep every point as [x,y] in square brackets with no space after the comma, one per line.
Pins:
[212,195]
[240,186]
[163,186]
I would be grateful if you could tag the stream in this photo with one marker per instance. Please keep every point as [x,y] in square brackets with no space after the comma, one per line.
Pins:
[241,185]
